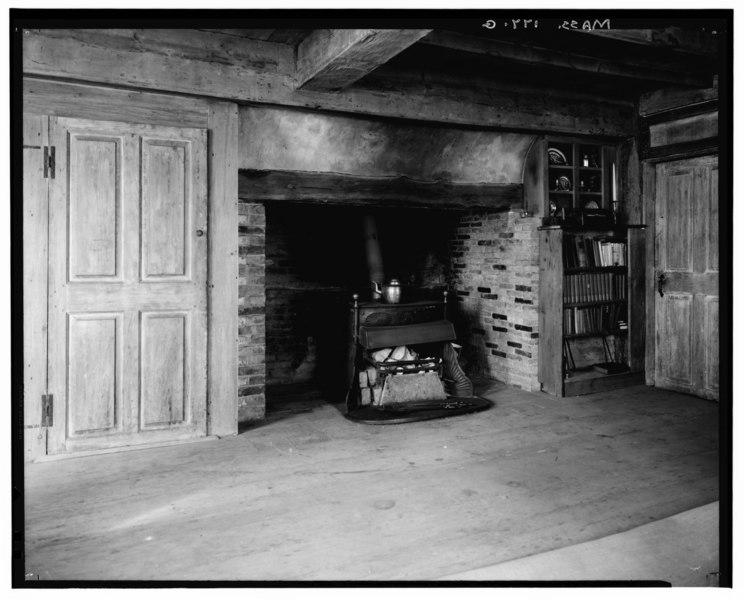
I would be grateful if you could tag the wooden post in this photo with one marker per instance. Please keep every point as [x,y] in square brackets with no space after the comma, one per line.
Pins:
[550,300]
[222,406]
[636,298]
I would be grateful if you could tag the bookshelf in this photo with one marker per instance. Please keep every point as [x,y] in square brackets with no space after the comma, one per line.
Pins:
[592,309]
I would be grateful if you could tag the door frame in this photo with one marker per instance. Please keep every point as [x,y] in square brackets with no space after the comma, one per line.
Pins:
[649,211]
[220,119]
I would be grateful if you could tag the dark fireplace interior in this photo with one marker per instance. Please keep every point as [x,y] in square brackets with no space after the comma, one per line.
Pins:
[315,262]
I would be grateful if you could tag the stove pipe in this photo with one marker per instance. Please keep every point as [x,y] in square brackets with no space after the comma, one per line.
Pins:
[374,256]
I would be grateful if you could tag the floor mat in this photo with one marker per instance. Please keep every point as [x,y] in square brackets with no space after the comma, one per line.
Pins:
[417,411]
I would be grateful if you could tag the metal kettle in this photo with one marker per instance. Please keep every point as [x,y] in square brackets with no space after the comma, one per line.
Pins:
[390,292]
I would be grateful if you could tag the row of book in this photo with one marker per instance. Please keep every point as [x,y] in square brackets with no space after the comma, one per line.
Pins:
[585,251]
[594,319]
[595,287]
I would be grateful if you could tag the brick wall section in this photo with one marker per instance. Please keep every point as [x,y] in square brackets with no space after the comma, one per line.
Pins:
[251,312]
[495,265]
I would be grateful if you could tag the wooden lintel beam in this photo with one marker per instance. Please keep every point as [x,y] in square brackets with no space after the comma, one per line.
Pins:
[543,57]
[354,190]
[332,59]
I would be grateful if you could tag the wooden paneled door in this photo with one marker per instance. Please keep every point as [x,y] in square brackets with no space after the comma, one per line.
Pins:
[687,276]
[127,284]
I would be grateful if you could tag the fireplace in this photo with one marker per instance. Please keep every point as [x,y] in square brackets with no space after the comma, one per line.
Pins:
[301,264]
[454,214]
[402,363]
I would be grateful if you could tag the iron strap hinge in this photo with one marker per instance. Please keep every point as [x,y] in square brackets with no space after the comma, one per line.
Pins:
[49,152]
[47,410]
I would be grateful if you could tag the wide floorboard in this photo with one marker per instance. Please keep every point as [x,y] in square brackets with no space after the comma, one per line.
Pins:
[312,496]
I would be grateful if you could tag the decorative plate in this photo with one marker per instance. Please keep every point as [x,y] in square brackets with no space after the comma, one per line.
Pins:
[591,205]
[563,183]
[555,156]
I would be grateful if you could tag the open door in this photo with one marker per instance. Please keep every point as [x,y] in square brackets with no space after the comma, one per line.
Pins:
[127,284]
[687,277]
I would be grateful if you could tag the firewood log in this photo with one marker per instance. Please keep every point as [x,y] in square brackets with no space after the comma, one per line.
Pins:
[371,376]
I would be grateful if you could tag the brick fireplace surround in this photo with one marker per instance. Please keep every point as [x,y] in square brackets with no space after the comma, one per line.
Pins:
[251,312]
[492,275]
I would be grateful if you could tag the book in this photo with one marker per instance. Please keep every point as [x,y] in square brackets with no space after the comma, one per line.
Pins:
[583,261]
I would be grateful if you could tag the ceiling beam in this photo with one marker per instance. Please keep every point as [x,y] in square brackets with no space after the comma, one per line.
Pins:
[701,43]
[332,59]
[263,72]
[535,56]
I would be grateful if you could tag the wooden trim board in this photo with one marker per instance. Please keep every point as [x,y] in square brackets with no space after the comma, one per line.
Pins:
[94,452]
[85,101]
[648,184]
[222,358]
[583,386]
[35,240]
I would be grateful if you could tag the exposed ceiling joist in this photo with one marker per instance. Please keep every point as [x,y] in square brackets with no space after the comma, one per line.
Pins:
[535,56]
[703,43]
[332,59]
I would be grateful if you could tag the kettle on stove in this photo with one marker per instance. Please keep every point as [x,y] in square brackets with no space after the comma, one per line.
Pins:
[389,292]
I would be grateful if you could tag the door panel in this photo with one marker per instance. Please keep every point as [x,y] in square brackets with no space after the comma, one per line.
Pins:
[94,375]
[711,331]
[94,207]
[679,222]
[166,386]
[712,221]
[687,258]
[166,197]
[127,317]
[678,321]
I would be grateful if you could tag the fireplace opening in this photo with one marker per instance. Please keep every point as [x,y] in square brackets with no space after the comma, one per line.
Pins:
[316,261]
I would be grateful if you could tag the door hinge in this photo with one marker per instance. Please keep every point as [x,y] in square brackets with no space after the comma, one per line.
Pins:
[47,410]
[49,152]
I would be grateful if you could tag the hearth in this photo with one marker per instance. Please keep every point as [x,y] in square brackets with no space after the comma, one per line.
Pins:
[403,363]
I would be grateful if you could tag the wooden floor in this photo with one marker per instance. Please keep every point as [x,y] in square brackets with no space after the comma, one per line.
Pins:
[311,496]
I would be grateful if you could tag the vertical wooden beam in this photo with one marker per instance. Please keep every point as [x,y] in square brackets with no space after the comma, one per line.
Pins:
[629,182]
[533,178]
[222,361]
[35,229]
[550,312]
[332,59]
[649,192]
[636,298]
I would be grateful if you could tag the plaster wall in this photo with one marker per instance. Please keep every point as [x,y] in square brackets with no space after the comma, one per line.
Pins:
[294,140]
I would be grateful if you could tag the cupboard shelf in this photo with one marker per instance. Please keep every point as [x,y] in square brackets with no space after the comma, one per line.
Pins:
[590,269]
[590,183]
[593,303]
[597,334]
